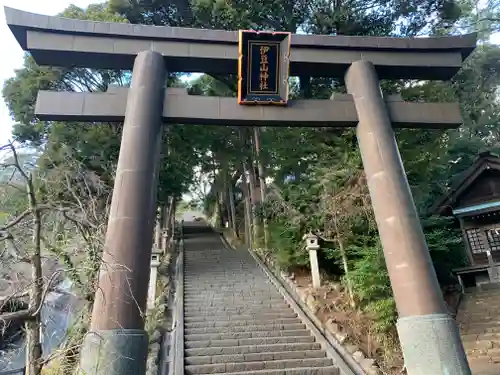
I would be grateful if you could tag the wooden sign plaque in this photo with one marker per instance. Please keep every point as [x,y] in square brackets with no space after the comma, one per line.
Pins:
[263,67]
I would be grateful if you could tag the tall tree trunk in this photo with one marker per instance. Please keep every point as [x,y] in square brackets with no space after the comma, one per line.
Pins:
[217,211]
[171,218]
[344,262]
[165,208]
[222,211]
[215,190]
[253,204]
[233,209]
[248,208]
[252,187]
[346,271]
[262,181]
[227,200]
[33,326]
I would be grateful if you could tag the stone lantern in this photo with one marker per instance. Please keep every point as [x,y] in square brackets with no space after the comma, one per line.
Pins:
[312,245]
[155,263]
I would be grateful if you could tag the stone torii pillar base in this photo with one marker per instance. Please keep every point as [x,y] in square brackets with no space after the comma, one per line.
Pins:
[429,337]
[117,343]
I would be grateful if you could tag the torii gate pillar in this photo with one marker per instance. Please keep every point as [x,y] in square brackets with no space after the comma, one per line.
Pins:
[429,336]
[117,343]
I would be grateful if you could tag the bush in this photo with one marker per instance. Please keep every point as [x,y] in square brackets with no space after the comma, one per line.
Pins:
[372,286]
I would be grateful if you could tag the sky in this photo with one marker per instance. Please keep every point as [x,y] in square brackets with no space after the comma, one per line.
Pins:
[13,55]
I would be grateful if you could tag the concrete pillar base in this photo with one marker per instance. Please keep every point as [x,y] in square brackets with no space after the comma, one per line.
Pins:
[114,352]
[430,345]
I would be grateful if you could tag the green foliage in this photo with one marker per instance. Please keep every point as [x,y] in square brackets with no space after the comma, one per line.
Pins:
[446,246]
[372,285]
[287,245]
[94,12]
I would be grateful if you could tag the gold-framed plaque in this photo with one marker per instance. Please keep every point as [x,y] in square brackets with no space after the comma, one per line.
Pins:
[263,67]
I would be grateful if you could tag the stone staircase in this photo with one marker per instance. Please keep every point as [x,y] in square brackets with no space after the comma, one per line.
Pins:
[235,320]
[479,320]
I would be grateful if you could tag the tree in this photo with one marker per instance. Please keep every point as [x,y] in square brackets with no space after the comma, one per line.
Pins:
[27,252]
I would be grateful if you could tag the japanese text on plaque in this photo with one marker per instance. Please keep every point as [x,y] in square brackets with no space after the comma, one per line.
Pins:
[264,68]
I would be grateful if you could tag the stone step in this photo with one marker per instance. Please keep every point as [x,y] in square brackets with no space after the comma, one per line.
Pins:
[227,287]
[229,300]
[244,335]
[239,323]
[223,272]
[478,317]
[479,306]
[484,366]
[478,294]
[330,370]
[485,357]
[481,337]
[253,341]
[230,284]
[232,297]
[485,321]
[222,290]
[206,268]
[249,317]
[225,280]
[218,368]
[219,261]
[248,292]
[243,281]
[480,330]
[488,353]
[256,328]
[251,309]
[239,314]
[255,303]
[247,349]
[241,319]
[255,357]
[244,299]
[228,280]
[478,344]
[236,322]
[471,312]
[223,269]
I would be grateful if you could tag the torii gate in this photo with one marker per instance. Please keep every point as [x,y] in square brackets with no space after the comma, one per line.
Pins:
[429,336]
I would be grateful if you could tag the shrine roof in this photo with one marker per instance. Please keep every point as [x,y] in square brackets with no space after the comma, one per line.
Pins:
[486,161]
